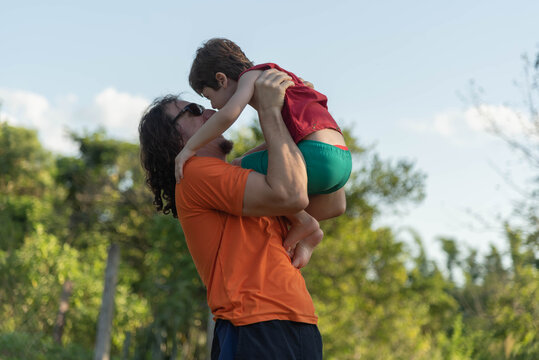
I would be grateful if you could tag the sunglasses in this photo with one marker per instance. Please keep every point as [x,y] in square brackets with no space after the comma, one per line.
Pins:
[193,108]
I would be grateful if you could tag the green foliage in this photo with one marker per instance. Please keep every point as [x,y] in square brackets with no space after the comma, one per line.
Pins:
[25,184]
[176,295]
[24,164]
[246,139]
[19,346]
[368,302]
[375,297]
[58,229]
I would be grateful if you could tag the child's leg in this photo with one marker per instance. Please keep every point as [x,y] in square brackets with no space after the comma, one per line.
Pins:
[304,248]
[327,206]
[328,169]
[302,238]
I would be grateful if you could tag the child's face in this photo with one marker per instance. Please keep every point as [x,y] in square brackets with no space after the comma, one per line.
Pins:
[220,97]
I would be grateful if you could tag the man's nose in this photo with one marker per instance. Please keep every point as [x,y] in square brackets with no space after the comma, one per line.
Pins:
[206,114]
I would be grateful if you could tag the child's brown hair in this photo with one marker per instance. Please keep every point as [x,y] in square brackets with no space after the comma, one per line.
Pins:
[217,55]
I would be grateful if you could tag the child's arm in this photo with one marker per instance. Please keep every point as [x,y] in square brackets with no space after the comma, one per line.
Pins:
[220,121]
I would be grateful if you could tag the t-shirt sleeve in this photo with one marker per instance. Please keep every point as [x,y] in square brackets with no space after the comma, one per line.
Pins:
[213,184]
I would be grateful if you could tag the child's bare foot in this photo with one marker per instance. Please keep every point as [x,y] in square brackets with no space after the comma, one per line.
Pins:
[302,225]
[304,249]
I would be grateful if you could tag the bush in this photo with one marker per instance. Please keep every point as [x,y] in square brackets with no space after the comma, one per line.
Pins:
[23,346]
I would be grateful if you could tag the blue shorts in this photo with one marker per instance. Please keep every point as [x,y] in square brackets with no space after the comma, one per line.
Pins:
[274,339]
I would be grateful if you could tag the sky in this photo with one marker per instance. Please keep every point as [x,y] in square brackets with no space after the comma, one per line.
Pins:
[397,73]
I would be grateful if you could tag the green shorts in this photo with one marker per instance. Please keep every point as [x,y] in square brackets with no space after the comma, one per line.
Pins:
[328,167]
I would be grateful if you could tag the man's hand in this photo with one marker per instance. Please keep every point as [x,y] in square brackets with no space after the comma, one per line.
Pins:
[283,190]
[270,88]
[180,160]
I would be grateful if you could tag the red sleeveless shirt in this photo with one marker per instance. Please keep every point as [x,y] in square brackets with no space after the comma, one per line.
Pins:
[305,110]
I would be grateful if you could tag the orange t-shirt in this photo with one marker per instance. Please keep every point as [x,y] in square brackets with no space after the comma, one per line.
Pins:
[248,275]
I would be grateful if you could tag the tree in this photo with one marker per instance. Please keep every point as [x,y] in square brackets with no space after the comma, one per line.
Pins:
[525,143]
[104,324]
[499,303]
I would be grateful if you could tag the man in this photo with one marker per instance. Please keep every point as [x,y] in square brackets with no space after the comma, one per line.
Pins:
[230,219]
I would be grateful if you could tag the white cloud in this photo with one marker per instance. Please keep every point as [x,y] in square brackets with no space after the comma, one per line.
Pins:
[24,108]
[443,124]
[120,112]
[27,108]
[117,112]
[459,125]
[489,117]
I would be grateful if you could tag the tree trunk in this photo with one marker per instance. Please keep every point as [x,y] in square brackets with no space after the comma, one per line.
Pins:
[127,342]
[104,325]
[209,333]
[67,288]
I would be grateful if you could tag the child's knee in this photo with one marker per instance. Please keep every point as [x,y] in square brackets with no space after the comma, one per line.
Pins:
[342,208]
[340,202]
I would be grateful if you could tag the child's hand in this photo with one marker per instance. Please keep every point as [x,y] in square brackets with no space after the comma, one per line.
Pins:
[180,160]
[307,83]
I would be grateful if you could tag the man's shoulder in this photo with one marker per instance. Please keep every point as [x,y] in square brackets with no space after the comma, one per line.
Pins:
[202,161]
[202,168]
[211,183]
[198,173]
[198,164]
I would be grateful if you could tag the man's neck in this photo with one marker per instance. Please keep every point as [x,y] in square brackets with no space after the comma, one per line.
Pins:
[212,150]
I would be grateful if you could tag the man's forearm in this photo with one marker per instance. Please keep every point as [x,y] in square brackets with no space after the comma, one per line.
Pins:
[286,167]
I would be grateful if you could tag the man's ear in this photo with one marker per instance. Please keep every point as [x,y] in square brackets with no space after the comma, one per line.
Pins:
[222,80]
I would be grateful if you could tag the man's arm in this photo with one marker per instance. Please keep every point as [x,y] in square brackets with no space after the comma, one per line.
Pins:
[283,191]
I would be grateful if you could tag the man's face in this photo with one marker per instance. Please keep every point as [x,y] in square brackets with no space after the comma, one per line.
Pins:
[188,123]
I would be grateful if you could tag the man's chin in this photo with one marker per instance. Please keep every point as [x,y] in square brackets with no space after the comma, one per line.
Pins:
[226,146]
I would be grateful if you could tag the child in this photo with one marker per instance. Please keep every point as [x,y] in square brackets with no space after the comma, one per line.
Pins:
[222,73]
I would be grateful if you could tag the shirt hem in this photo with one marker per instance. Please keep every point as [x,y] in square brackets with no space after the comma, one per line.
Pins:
[259,318]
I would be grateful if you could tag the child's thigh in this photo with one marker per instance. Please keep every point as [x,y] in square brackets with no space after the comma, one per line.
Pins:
[327,206]
[328,167]
[257,161]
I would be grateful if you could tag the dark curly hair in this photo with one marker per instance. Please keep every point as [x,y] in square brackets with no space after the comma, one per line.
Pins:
[160,142]
[217,55]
